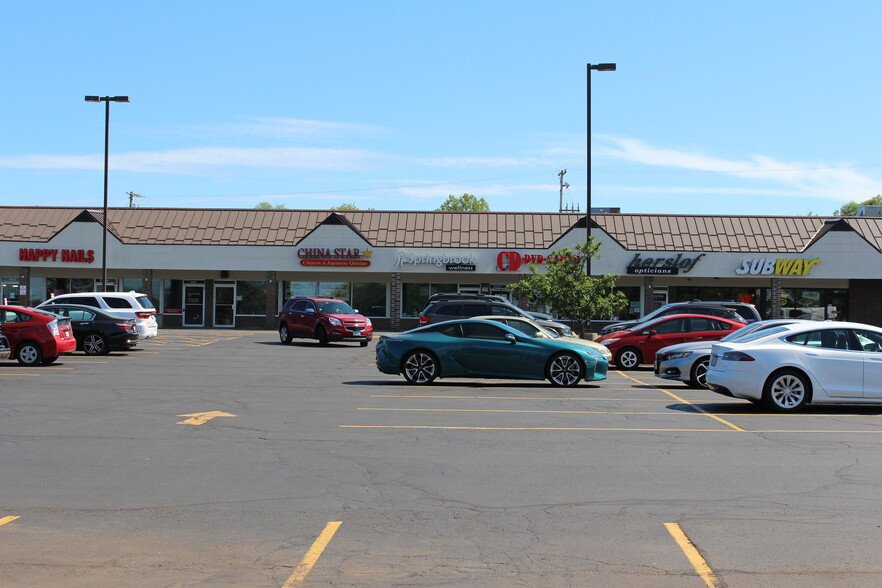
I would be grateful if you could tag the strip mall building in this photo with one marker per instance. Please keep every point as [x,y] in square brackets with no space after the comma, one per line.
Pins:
[235,267]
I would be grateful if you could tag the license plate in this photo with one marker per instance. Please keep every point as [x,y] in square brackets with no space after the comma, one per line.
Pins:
[356,332]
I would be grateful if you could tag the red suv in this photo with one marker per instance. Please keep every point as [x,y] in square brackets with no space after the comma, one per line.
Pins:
[325,319]
[36,336]
[638,344]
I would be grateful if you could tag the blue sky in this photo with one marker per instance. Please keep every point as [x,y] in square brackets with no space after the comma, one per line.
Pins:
[715,108]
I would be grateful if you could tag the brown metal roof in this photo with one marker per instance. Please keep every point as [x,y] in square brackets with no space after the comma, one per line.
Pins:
[527,230]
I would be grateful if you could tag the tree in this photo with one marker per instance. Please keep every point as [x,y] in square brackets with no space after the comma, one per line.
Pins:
[851,208]
[345,206]
[464,203]
[568,290]
[266,204]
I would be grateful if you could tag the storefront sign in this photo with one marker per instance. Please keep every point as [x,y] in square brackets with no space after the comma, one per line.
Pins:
[338,257]
[437,260]
[781,266]
[511,261]
[65,255]
[662,266]
[460,267]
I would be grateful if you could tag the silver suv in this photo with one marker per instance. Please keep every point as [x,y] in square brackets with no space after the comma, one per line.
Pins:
[443,309]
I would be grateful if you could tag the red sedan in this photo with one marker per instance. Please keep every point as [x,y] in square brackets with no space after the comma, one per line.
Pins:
[36,336]
[638,344]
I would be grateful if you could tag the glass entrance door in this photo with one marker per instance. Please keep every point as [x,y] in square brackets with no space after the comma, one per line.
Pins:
[224,304]
[194,305]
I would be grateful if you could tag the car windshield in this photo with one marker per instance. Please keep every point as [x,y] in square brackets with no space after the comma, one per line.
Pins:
[762,333]
[334,307]
[755,327]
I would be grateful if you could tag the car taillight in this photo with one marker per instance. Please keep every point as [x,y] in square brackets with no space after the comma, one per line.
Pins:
[53,326]
[424,320]
[736,356]
[143,315]
[126,326]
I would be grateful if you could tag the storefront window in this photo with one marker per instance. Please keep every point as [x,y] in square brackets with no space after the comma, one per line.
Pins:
[335,290]
[9,293]
[299,289]
[250,298]
[129,284]
[813,303]
[171,297]
[414,296]
[369,298]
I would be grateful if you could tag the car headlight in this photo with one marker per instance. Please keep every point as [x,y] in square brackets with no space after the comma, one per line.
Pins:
[608,341]
[367,321]
[678,354]
[335,321]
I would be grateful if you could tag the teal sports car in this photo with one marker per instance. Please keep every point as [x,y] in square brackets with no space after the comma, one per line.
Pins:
[471,348]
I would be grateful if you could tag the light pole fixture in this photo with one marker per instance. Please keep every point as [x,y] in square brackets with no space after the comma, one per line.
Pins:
[597,67]
[107,100]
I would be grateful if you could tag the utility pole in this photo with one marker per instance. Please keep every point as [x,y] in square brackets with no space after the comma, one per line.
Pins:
[563,185]
[132,197]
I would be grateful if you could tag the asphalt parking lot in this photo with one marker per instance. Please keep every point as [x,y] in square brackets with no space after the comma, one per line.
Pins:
[223,458]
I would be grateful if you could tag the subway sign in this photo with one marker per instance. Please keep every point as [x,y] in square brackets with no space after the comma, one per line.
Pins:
[776,266]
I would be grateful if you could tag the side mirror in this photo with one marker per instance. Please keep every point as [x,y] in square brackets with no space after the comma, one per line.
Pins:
[310,310]
[652,333]
[511,338]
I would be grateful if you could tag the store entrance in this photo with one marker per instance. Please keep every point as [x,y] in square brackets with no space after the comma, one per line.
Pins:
[194,304]
[224,304]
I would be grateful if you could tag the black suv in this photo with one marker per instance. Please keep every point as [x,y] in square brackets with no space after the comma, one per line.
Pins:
[460,307]
[735,311]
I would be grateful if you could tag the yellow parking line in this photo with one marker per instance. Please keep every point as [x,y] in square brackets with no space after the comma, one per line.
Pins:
[694,557]
[301,571]
[5,520]
[671,430]
[624,412]
[514,397]
[686,402]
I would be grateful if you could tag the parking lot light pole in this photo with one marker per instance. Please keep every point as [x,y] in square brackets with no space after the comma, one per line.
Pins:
[107,100]
[597,67]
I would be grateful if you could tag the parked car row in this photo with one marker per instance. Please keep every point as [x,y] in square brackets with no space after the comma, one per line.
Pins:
[784,363]
[93,322]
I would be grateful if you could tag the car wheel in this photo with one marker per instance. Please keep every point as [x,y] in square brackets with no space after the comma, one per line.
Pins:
[564,369]
[48,360]
[95,344]
[698,375]
[628,358]
[284,334]
[787,391]
[420,367]
[364,343]
[28,353]
[322,335]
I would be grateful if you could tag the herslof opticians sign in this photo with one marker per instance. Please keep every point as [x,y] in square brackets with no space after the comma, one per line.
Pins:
[451,263]
[662,266]
[781,266]
[339,257]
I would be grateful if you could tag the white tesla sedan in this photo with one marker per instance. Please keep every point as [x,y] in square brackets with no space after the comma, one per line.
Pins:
[790,366]
[688,362]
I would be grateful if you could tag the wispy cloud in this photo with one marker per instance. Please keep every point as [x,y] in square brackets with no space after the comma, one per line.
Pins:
[276,129]
[809,179]
[199,160]
[484,162]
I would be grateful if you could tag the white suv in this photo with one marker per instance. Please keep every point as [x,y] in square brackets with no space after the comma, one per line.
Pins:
[128,304]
